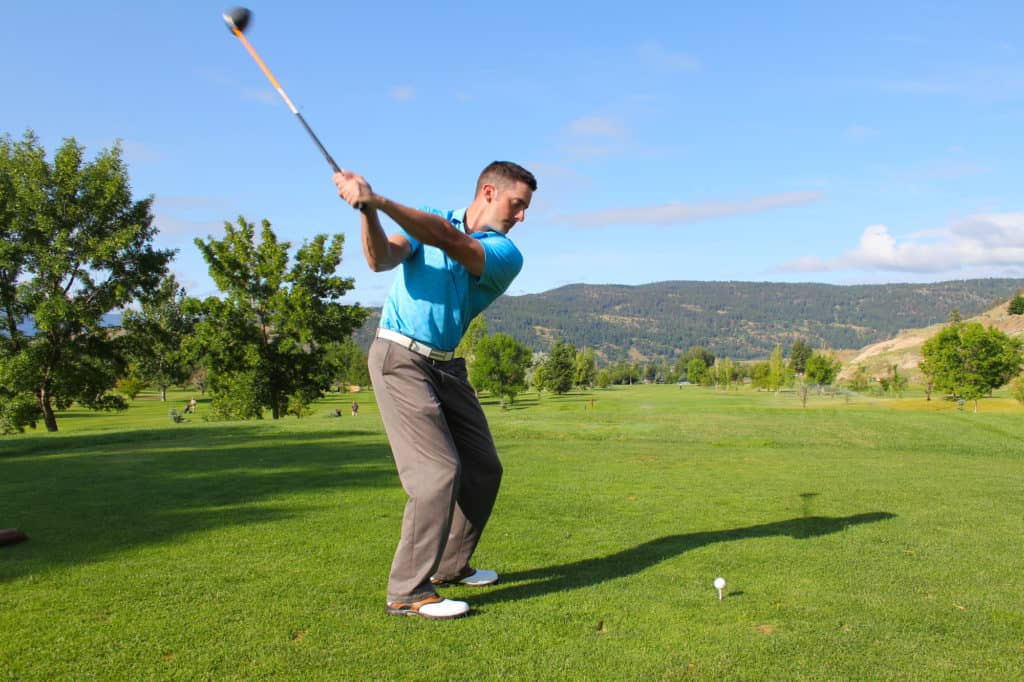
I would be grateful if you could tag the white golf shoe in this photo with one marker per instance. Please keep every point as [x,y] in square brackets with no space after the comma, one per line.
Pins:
[477,578]
[435,607]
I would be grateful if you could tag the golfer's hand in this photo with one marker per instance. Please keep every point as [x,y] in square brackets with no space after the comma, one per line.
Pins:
[354,189]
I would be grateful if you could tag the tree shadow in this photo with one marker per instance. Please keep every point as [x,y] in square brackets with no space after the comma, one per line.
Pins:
[536,582]
[82,498]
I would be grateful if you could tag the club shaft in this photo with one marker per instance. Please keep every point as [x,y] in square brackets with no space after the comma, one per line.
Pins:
[273,81]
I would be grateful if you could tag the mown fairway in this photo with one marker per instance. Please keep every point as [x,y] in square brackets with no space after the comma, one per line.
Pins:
[862,540]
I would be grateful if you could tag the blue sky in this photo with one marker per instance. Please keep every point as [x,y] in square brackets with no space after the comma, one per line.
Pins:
[788,141]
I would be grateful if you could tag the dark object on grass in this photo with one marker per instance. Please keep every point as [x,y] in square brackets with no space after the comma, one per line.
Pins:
[9,536]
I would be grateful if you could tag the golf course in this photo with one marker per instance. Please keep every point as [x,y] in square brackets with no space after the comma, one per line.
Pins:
[859,538]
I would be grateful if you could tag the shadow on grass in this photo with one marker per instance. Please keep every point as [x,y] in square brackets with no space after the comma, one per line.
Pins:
[83,497]
[587,572]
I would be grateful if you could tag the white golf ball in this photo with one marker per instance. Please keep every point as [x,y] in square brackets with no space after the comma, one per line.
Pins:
[719,583]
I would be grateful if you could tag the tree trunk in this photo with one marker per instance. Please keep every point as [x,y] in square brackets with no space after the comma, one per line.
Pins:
[49,418]
[163,394]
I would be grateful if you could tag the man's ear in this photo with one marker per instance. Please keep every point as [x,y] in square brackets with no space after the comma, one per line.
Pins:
[489,192]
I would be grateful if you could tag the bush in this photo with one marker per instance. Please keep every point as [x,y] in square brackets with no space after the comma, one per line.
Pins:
[236,396]
[1016,306]
[1017,390]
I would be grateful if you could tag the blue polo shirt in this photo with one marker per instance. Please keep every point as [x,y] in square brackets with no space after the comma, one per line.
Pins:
[434,298]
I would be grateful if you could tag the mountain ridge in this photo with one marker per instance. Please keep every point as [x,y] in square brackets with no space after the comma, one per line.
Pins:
[735,319]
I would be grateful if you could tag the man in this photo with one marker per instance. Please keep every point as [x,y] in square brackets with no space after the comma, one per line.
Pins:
[453,265]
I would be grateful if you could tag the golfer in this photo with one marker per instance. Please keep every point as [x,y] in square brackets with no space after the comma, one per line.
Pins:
[453,264]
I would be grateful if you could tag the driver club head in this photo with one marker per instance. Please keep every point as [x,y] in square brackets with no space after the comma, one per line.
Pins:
[237,18]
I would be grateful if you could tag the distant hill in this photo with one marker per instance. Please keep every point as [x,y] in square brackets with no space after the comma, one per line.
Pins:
[740,320]
[904,350]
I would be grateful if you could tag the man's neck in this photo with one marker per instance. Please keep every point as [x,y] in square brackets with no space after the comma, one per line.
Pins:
[472,218]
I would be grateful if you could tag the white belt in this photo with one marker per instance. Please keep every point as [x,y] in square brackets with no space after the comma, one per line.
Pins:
[414,345]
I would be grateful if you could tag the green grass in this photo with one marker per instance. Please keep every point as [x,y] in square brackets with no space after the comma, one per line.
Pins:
[871,539]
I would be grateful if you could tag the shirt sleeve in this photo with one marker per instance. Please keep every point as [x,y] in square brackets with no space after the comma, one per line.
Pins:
[413,242]
[502,262]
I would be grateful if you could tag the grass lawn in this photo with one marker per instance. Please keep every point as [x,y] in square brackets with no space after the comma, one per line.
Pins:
[865,539]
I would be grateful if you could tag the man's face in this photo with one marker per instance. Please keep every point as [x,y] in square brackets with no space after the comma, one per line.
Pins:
[506,205]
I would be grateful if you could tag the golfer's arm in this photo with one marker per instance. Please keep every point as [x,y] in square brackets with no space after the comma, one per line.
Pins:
[436,231]
[381,252]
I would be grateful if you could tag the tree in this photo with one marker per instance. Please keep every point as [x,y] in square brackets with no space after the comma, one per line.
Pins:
[560,367]
[500,366]
[968,361]
[776,369]
[1017,390]
[894,382]
[585,370]
[822,369]
[467,346]
[696,371]
[800,352]
[860,381]
[346,363]
[75,246]
[265,342]
[760,373]
[155,335]
[1016,305]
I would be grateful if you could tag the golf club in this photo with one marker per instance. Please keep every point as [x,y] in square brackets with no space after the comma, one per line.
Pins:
[237,20]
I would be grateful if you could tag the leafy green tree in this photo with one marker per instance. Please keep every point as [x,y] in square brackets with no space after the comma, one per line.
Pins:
[696,371]
[537,378]
[267,338]
[822,369]
[760,374]
[968,361]
[800,352]
[776,370]
[476,331]
[894,382]
[131,384]
[500,366]
[74,246]
[1016,306]
[346,363]
[155,335]
[695,352]
[860,380]
[604,378]
[585,370]
[560,367]
[1017,390]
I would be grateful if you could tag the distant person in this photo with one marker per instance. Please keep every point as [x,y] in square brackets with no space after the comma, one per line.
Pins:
[355,408]
[192,405]
[451,266]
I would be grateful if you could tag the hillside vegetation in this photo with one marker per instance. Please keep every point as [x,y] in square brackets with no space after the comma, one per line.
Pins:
[904,349]
[740,320]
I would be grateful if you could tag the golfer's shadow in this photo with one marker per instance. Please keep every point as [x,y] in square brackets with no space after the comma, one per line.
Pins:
[587,572]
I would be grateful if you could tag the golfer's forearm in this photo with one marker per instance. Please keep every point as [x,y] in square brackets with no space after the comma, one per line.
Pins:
[422,226]
[377,249]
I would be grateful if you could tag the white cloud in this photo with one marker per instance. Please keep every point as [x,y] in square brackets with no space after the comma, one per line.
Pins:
[980,241]
[596,126]
[403,93]
[677,213]
[659,56]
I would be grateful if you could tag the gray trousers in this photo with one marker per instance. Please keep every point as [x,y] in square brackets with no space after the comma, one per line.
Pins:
[446,461]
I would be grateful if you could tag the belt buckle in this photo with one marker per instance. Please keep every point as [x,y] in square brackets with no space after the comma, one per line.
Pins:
[438,355]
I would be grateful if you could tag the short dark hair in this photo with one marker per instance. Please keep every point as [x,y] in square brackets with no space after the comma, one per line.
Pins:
[502,172]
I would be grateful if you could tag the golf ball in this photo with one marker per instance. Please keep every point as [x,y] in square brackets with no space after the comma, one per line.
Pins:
[719,583]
